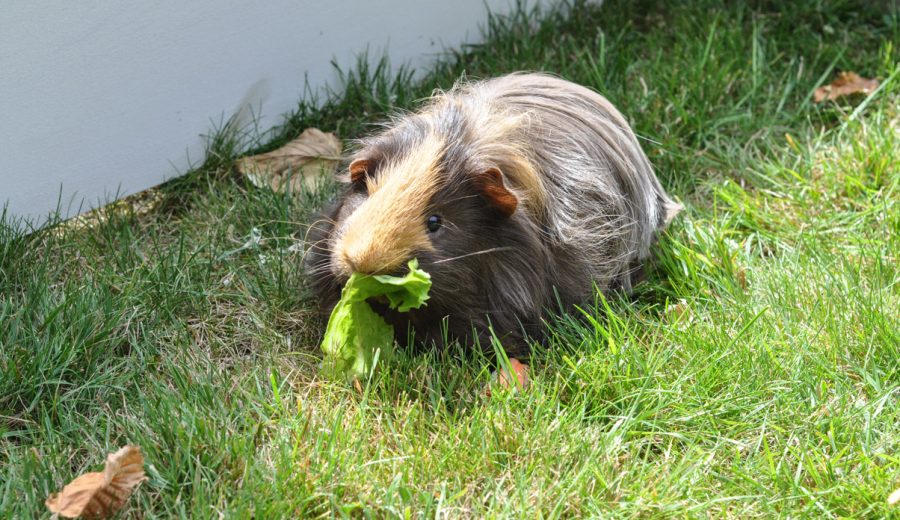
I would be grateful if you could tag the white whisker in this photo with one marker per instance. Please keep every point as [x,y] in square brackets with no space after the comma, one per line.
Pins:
[484,251]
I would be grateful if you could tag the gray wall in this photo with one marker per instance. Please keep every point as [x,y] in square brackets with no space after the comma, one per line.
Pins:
[105,98]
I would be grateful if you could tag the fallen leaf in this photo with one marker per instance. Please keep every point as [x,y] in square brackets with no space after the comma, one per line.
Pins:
[845,84]
[300,162]
[679,311]
[741,276]
[101,494]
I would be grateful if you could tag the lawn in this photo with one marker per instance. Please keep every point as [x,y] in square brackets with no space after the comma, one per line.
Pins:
[755,374]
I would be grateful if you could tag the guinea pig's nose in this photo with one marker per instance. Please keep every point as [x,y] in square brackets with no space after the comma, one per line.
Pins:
[370,262]
[343,266]
[351,265]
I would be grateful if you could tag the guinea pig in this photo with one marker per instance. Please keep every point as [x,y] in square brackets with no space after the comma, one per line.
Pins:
[519,195]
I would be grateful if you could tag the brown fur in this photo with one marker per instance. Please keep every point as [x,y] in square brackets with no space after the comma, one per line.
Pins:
[382,235]
[490,183]
[358,170]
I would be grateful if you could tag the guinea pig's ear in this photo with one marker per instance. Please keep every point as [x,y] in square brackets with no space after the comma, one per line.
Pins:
[358,170]
[490,184]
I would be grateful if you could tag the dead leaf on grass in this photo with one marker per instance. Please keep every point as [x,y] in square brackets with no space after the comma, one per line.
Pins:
[741,277]
[680,313]
[101,494]
[845,84]
[300,162]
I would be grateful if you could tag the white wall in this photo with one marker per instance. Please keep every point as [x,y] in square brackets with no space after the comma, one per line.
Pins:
[99,98]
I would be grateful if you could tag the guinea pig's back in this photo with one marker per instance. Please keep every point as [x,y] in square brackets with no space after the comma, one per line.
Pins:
[603,199]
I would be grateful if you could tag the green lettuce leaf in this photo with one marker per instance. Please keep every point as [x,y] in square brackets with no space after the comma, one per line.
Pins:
[355,333]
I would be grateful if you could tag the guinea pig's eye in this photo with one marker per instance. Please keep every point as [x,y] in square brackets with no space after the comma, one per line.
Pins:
[434,223]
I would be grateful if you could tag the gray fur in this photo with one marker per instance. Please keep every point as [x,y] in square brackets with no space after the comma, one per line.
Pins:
[589,219]
[604,202]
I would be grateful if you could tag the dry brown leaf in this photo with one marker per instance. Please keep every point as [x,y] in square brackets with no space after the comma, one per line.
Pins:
[101,494]
[845,84]
[301,162]
[678,309]
[741,277]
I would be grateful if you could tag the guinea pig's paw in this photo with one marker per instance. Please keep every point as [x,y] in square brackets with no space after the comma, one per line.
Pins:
[503,378]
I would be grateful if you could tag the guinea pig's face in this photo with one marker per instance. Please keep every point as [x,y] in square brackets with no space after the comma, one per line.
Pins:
[416,205]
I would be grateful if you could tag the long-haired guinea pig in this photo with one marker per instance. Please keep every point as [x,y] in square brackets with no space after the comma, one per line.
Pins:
[518,195]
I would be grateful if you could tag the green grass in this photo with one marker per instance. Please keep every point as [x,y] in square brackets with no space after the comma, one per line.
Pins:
[756,374]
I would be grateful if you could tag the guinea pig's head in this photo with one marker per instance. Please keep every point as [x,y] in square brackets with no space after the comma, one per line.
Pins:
[422,194]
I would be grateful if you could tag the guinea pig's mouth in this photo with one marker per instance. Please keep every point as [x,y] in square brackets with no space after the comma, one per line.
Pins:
[378,300]
[380,305]
[394,318]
